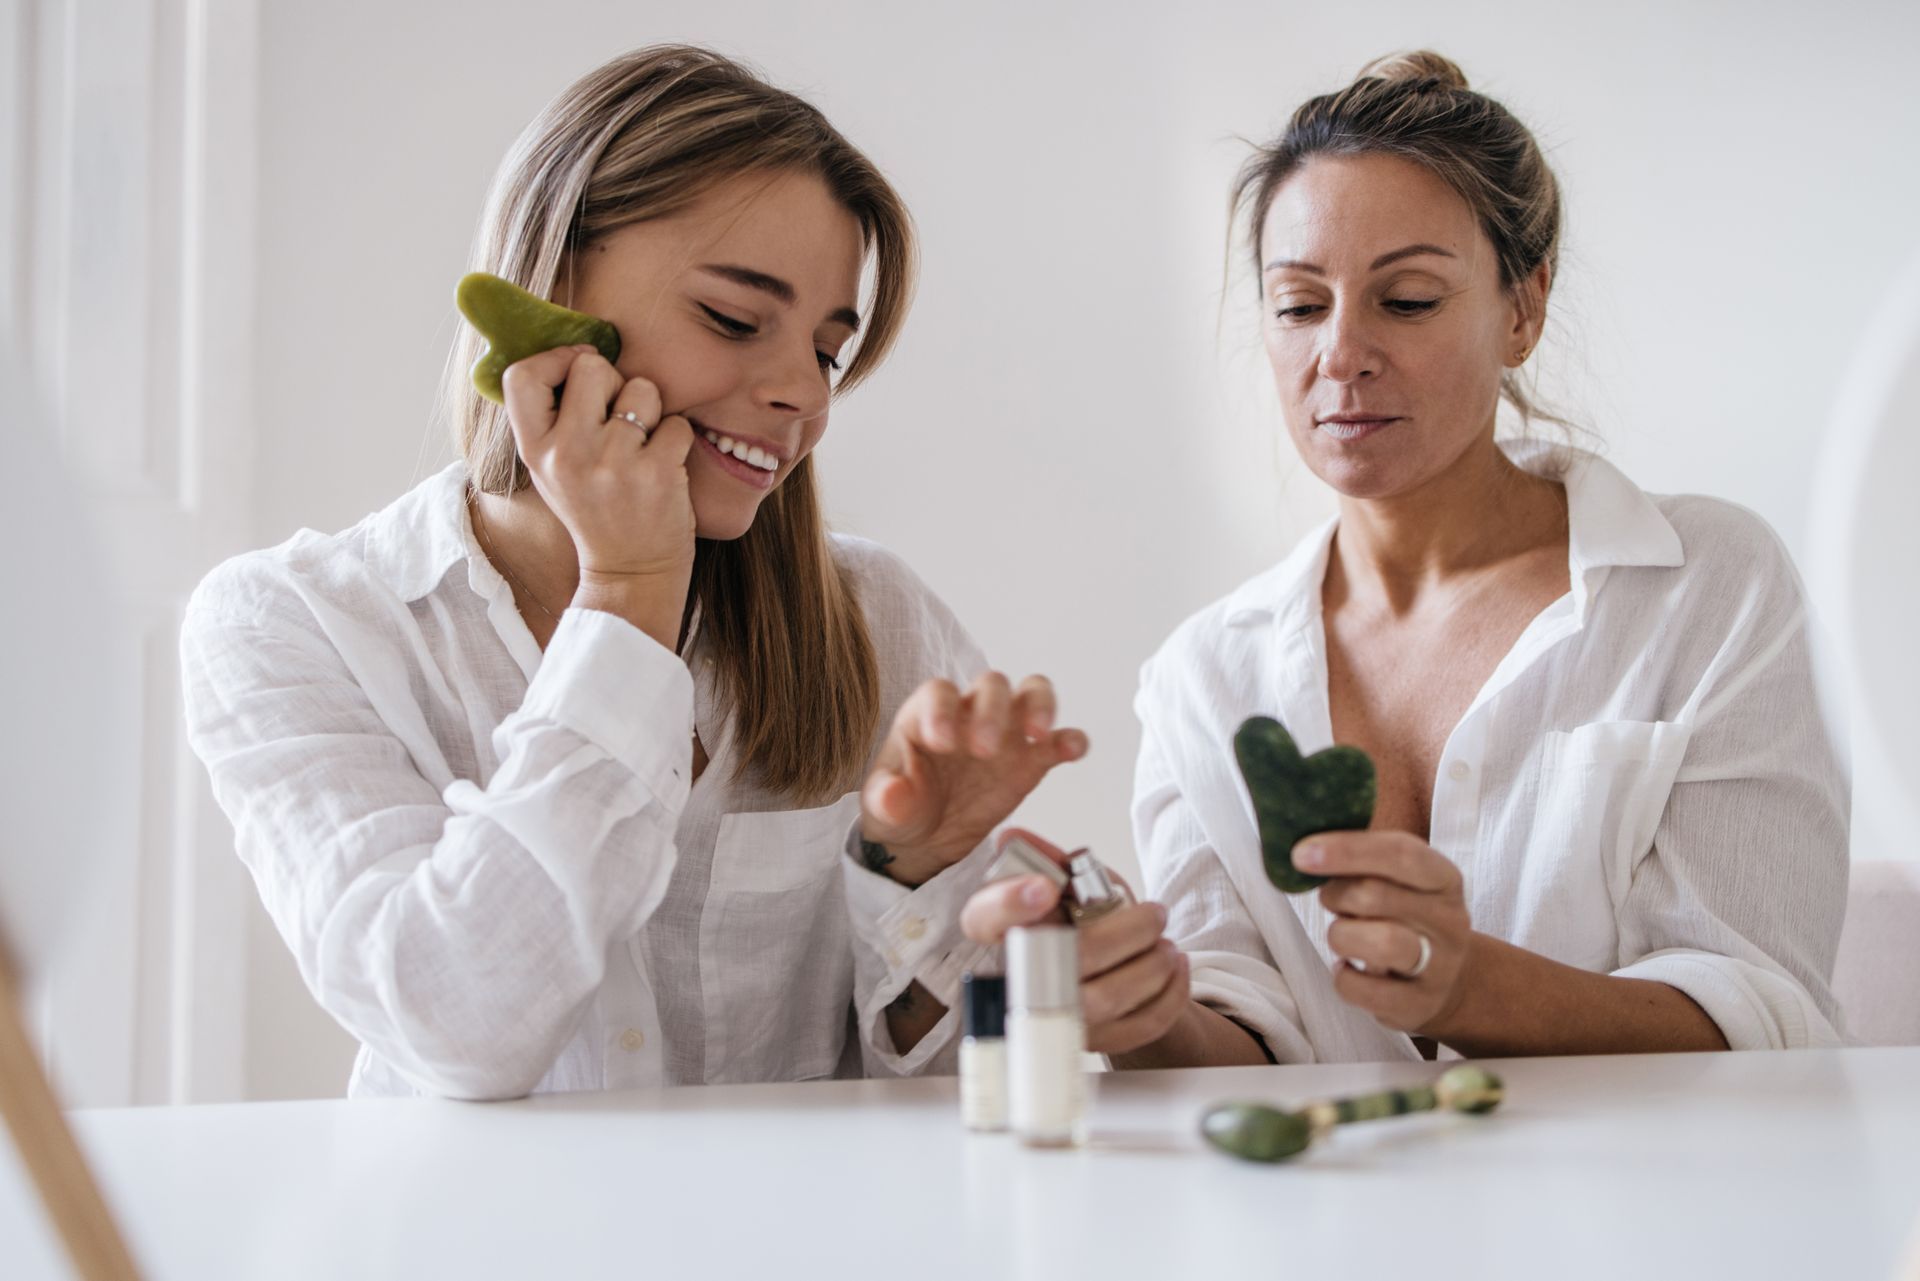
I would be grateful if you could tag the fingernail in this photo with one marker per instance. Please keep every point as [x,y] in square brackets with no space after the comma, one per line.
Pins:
[1309,856]
[1037,893]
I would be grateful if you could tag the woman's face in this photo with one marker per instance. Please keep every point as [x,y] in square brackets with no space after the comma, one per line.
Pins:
[1385,322]
[736,308]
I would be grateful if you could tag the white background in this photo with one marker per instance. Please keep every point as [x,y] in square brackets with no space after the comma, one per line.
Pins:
[1075,444]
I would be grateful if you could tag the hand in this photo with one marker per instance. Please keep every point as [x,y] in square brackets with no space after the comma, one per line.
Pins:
[620,491]
[954,766]
[1389,889]
[1134,982]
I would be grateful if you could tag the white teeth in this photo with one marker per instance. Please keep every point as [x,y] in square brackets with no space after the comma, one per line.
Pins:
[752,455]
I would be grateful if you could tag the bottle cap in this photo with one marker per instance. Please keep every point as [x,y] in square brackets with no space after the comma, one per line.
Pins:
[1043,968]
[1091,884]
[983,1005]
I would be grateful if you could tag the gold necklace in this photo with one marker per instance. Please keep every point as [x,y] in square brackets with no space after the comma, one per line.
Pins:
[486,545]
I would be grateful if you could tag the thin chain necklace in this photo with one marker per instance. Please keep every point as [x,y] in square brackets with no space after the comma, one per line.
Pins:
[486,545]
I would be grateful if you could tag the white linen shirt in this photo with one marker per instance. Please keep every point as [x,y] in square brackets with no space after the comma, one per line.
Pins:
[489,861]
[1644,787]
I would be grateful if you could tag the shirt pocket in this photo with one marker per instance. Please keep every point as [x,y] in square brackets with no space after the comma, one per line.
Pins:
[776,958]
[1603,788]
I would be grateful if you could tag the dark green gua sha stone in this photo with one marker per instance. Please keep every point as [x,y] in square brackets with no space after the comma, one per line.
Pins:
[1258,1132]
[1296,796]
[516,324]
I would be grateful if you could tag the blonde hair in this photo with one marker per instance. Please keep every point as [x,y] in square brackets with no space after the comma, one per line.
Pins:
[1418,106]
[641,138]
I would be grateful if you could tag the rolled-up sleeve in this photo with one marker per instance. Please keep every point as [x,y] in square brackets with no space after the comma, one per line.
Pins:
[458,933]
[1740,900]
[904,935]
[1233,972]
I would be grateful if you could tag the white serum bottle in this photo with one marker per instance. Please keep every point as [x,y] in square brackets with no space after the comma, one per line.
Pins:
[1046,1036]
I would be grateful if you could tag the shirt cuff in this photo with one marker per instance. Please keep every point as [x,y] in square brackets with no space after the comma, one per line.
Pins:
[616,686]
[912,934]
[1754,1008]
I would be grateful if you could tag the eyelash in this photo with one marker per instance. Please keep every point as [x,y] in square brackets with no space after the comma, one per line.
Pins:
[1401,306]
[740,331]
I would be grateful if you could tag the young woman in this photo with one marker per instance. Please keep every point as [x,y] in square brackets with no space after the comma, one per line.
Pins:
[547,773]
[1609,817]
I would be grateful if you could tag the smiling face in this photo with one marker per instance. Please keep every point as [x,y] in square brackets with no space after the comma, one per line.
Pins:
[736,308]
[1385,323]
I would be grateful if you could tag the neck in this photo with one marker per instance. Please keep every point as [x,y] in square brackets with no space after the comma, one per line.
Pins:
[528,545]
[1407,544]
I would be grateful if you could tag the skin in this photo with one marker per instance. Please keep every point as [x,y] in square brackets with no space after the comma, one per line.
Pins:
[1387,328]
[609,522]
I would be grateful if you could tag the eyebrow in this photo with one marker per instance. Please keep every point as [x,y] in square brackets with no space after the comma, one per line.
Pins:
[1411,251]
[776,288]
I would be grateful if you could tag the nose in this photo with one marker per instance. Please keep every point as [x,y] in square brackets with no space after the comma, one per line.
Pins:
[791,382]
[1348,351]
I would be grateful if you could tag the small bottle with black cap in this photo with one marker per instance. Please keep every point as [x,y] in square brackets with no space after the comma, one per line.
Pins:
[983,1052]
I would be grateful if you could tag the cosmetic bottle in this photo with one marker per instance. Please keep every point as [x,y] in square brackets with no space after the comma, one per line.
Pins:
[1020,857]
[983,1052]
[1093,892]
[1046,1087]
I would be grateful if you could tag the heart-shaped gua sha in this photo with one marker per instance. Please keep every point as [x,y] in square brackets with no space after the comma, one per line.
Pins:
[1295,796]
[517,324]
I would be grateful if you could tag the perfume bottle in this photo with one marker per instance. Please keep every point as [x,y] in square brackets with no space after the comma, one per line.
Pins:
[1092,891]
[1046,1086]
[983,1052]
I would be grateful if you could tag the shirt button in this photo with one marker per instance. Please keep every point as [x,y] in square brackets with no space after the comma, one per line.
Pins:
[632,1039]
[913,929]
[1458,771]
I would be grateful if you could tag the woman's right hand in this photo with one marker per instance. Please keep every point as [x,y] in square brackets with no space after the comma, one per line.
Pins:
[620,492]
[1134,981]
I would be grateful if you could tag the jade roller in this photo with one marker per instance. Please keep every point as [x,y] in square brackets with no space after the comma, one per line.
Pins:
[1257,1132]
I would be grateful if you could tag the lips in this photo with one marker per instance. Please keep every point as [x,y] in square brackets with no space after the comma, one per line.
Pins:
[1351,426]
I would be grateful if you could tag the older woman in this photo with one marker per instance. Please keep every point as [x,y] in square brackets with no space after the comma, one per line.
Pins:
[1609,817]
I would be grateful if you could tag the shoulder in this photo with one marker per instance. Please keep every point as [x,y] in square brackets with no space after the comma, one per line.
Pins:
[386,559]
[1721,538]
[915,635]
[1236,636]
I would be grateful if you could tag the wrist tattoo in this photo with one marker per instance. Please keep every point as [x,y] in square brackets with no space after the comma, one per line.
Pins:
[875,855]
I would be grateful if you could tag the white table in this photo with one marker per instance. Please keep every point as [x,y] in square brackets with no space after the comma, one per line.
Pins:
[1792,1165]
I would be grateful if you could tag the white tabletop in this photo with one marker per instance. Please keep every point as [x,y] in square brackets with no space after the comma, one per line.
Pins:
[1801,1165]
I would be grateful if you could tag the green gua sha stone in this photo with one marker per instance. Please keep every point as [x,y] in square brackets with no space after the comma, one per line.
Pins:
[1296,796]
[516,325]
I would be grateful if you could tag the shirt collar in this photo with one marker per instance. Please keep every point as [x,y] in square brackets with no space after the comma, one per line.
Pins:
[412,544]
[1611,522]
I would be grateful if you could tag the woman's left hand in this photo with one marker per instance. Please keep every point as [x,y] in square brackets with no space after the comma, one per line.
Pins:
[1389,890]
[954,766]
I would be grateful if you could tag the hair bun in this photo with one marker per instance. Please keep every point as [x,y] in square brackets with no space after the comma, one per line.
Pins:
[1421,64]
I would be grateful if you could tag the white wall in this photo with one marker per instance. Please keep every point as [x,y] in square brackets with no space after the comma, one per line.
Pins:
[1073,444]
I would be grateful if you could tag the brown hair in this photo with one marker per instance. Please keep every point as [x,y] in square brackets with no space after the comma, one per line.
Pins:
[1417,106]
[641,138]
